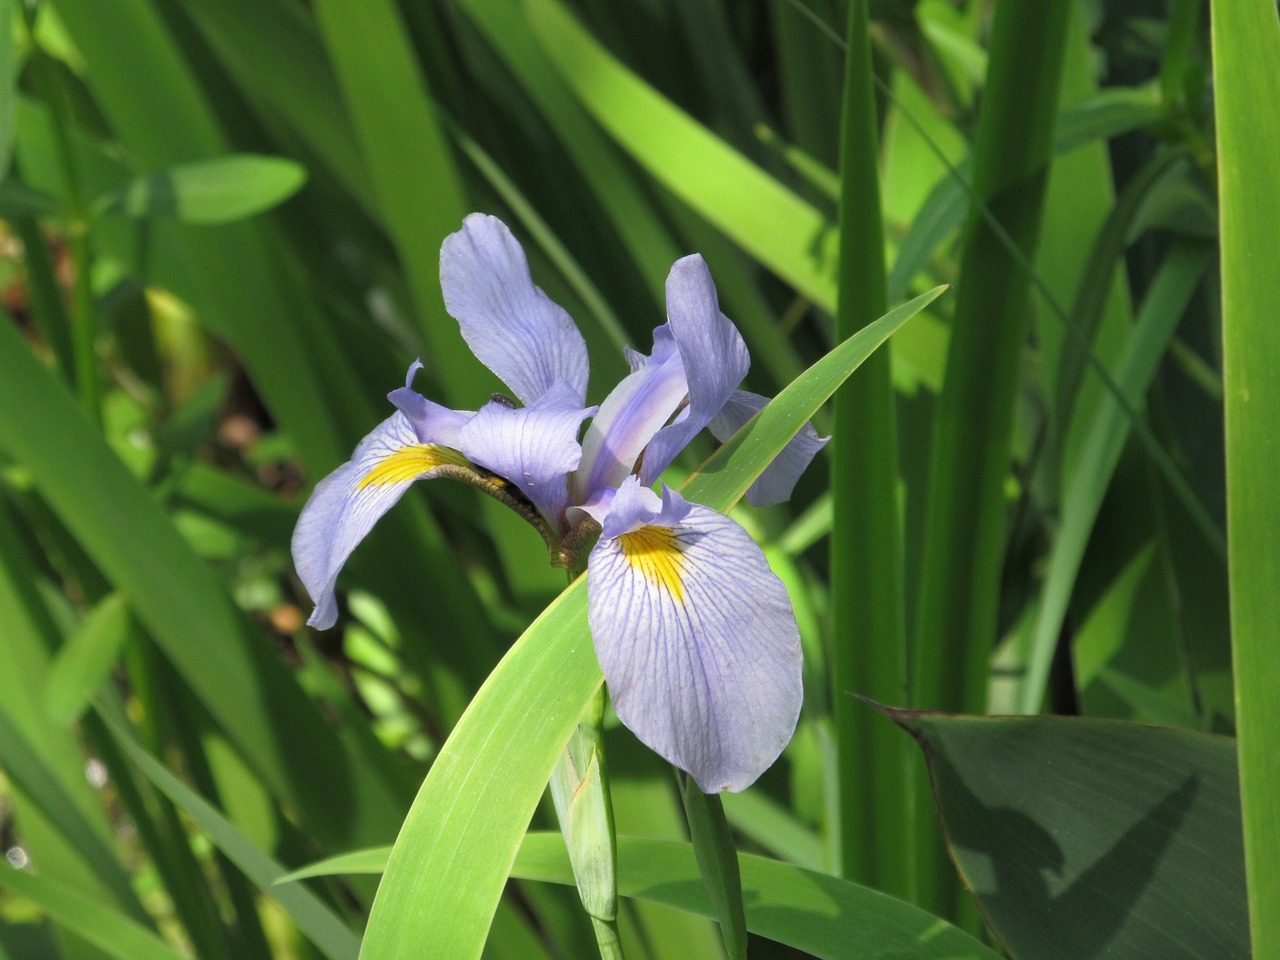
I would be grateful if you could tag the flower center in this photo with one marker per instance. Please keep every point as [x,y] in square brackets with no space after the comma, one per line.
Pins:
[655,552]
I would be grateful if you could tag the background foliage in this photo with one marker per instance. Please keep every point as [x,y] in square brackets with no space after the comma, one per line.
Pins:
[219,229]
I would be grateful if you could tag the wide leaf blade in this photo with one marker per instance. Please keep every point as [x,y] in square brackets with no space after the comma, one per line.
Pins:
[1091,838]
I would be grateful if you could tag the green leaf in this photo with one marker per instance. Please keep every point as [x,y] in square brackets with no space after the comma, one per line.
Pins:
[1246,80]
[108,929]
[458,842]
[313,917]
[873,775]
[28,772]
[811,911]
[210,191]
[85,661]
[965,510]
[814,912]
[416,184]
[8,85]
[776,227]
[770,430]
[18,200]
[1085,838]
[179,600]
[1089,478]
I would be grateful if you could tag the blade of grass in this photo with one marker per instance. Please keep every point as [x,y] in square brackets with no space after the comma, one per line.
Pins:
[110,930]
[29,773]
[855,922]
[868,648]
[648,242]
[1246,76]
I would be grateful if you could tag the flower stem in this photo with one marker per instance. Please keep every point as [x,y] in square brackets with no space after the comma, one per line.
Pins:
[717,858]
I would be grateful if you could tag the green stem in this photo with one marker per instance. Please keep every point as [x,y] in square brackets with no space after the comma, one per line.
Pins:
[717,858]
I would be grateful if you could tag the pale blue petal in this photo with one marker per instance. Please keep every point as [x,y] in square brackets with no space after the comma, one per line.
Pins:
[345,505]
[535,447]
[698,644]
[511,326]
[713,355]
[634,505]
[634,411]
[779,478]
[431,422]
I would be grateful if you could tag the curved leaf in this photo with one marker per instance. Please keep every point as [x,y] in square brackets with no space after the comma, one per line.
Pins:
[811,911]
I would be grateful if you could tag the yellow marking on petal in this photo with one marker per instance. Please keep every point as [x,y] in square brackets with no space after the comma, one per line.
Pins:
[409,463]
[656,553]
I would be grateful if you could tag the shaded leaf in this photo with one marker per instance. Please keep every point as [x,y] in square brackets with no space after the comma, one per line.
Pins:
[1091,838]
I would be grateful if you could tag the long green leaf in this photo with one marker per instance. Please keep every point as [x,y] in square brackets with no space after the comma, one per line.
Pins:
[1246,76]
[110,930]
[85,661]
[419,193]
[461,835]
[777,227]
[868,644]
[805,909]
[1088,482]
[180,601]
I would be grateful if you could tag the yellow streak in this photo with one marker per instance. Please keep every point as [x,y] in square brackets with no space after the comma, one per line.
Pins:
[409,463]
[655,552]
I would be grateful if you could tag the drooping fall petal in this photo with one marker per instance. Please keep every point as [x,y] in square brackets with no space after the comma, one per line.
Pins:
[696,638]
[348,502]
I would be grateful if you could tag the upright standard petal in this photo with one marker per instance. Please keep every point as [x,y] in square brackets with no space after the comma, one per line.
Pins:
[514,328]
[696,638]
[348,502]
[712,353]
[535,448]
[779,478]
[635,410]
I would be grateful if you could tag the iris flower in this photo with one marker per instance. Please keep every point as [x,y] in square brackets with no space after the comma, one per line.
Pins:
[694,634]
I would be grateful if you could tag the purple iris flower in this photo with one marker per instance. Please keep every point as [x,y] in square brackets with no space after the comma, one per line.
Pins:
[694,633]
